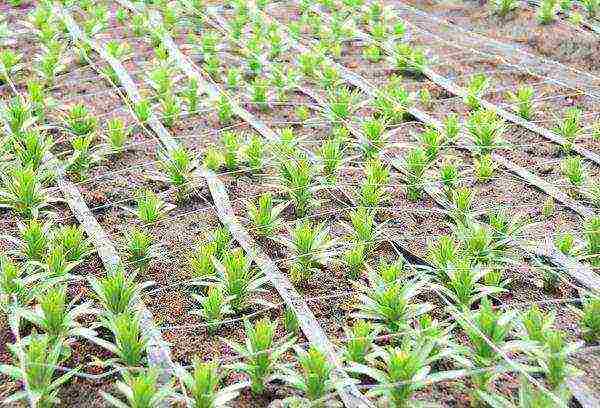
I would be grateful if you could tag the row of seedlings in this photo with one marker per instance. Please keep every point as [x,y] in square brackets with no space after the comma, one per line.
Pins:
[227,287]
[258,25]
[463,194]
[309,245]
[573,168]
[58,335]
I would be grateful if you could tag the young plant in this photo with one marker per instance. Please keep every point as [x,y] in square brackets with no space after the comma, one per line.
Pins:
[80,121]
[264,216]
[221,238]
[391,304]
[57,318]
[410,60]
[213,307]
[391,102]
[566,6]
[161,80]
[341,104]
[565,243]
[34,240]
[142,110]
[485,131]
[302,113]
[309,63]
[478,243]
[332,158]
[523,101]
[404,371]
[443,253]
[589,319]
[364,228]
[224,110]
[374,137]
[18,115]
[36,364]
[311,246]
[30,149]
[150,207]
[553,358]
[255,152]
[37,96]
[537,324]
[506,227]
[203,386]
[72,240]
[477,86]
[391,272]
[574,170]
[171,109]
[117,135]
[592,191]
[118,291]
[84,155]
[592,240]
[373,190]
[449,175]
[10,64]
[463,286]
[140,390]
[431,141]
[596,131]
[484,168]
[16,289]
[360,340]
[297,178]
[548,207]
[231,152]
[329,77]
[414,166]
[258,93]
[140,248]
[239,280]
[191,96]
[355,259]
[23,192]
[290,322]
[425,98]
[49,63]
[547,11]
[592,7]
[129,341]
[261,352]
[213,159]
[314,379]
[178,167]
[570,128]
[200,261]
[488,330]
[503,7]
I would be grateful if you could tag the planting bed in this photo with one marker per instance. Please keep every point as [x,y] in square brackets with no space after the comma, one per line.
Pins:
[296,203]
